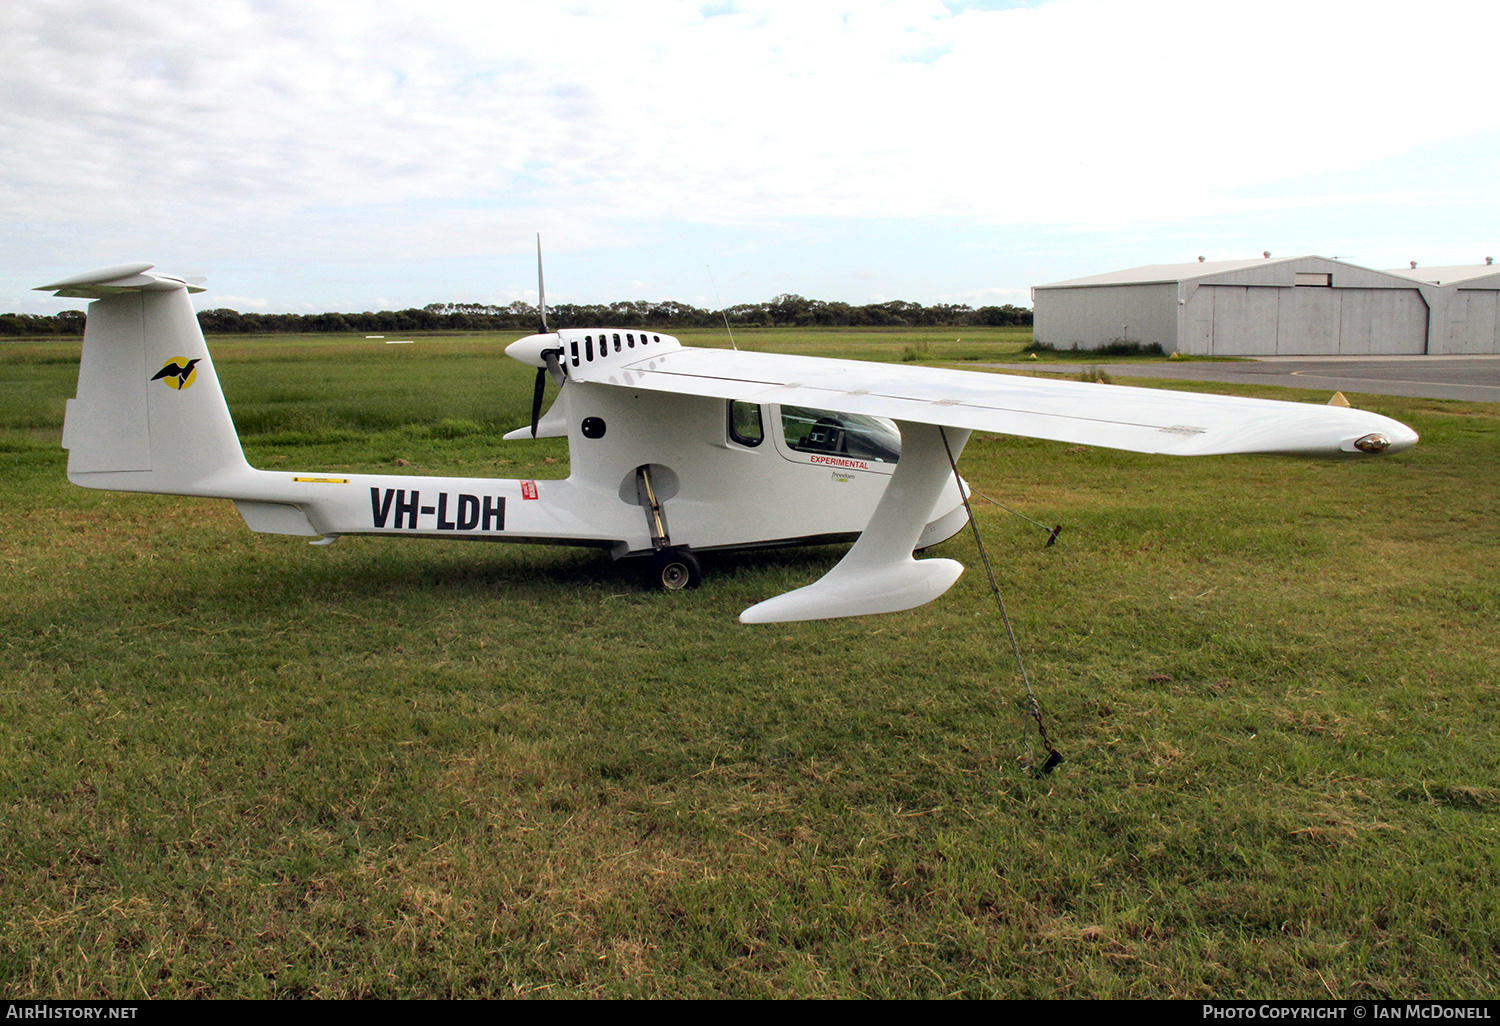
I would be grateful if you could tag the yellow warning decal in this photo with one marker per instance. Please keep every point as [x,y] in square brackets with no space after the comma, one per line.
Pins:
[322,480]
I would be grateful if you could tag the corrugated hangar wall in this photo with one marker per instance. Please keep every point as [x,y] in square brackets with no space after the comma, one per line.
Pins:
[1092,317]
[1290,306]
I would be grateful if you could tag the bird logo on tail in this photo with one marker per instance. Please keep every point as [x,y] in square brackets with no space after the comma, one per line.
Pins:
[177,372]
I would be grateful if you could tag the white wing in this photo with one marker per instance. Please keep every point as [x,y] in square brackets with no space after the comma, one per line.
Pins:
[1117,416]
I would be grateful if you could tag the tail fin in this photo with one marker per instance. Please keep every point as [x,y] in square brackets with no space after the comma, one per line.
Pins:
[149,416]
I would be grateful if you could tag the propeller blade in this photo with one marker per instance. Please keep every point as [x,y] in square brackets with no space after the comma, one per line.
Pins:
[536,399]
[551,358]
[541,291]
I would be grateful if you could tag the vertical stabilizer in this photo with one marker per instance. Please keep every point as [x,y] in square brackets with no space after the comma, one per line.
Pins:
[149,415]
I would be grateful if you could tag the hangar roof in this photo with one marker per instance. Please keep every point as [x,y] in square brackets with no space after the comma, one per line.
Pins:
[1158,273]
[1447,275]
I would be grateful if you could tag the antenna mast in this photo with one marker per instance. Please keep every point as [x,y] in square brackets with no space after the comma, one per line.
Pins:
[722,312]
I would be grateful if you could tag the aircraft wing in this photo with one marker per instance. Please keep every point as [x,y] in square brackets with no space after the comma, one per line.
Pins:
[1115,416]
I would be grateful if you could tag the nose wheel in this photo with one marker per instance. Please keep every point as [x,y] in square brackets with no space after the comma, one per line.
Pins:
[675,569]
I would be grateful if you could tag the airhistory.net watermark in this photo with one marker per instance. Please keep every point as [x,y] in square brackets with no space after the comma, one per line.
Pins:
[42,1010]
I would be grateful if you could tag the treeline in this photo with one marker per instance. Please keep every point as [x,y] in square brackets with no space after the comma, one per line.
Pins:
[783,311]
[69,322]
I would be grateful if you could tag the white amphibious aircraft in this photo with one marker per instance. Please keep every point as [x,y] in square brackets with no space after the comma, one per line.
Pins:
[674,449]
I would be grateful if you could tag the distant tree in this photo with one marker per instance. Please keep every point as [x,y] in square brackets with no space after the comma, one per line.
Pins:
[787,309]
[1002,316]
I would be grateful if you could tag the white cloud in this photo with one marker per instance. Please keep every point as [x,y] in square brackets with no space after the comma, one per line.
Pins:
[317,131]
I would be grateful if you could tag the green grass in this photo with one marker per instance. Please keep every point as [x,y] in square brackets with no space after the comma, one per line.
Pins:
[235,766]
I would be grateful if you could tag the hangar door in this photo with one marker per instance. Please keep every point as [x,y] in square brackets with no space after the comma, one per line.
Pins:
[1260,320]
[1473,322]
[1379,322]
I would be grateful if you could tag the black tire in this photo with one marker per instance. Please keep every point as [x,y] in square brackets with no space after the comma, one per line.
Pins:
[675,569]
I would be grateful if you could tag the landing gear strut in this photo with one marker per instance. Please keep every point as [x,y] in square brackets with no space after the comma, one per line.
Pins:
[673,567]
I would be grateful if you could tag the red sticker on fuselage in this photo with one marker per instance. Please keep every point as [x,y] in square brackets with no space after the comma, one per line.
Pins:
[528,489]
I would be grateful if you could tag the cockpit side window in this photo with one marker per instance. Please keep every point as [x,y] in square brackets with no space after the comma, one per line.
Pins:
[845,434]
[745,426]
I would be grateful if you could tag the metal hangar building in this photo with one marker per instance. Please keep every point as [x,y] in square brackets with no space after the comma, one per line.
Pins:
[1287,306]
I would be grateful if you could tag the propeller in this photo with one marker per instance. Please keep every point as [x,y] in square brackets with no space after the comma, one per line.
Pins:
[549,356]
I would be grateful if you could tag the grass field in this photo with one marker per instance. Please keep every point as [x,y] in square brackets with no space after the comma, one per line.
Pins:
[232,765]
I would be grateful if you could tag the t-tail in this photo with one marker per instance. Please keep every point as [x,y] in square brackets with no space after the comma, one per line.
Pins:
[149,416]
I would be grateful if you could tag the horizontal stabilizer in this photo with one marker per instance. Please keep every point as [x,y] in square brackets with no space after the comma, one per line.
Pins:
[116,281]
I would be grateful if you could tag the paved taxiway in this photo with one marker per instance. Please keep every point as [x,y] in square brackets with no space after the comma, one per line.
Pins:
[1433,377]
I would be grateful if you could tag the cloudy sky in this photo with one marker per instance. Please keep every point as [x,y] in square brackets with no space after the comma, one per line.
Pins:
[329,155]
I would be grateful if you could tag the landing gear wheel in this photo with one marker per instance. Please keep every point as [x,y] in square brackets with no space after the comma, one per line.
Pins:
[675,569]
